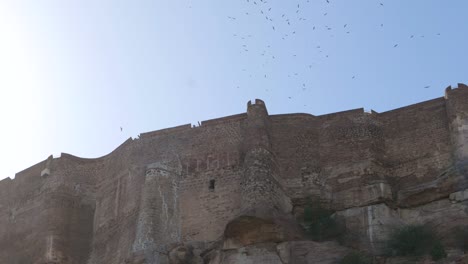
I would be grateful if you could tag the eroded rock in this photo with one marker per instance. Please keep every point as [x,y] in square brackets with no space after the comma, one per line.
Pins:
[308,252]
[369,227]
[248,230]
[253,254]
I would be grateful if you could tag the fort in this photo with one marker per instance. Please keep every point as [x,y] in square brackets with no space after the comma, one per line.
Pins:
[172,193]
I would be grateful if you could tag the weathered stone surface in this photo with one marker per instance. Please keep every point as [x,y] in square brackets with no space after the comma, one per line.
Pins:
[184,255]
[362,195]
[248,230]
[310,252]
[453,257]
[443,216]
[254,254]
[459,196]
[183,185]
[368,227]
[294,252]
[414,191]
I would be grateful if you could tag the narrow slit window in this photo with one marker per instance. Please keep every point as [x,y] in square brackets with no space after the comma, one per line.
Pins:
[212,185]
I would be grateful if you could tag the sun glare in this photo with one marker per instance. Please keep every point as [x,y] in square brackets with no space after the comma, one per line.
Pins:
[19,81]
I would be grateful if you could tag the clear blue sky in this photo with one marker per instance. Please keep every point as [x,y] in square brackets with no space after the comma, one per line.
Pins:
[73,72]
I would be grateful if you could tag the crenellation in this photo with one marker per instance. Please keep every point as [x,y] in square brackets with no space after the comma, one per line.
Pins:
[342,114]
[166,131]
[183,185]
[223,120]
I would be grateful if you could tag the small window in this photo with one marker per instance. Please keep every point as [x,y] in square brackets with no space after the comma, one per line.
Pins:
[212,185]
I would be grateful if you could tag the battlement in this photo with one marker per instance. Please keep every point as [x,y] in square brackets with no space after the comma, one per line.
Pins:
[223,120]
[449,91]
[168,185]
[259,104]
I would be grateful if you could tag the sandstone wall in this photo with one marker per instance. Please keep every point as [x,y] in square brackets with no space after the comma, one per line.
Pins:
[184,184]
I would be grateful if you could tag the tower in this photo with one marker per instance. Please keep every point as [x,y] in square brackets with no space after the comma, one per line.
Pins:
[457,112]
[158,226]
[261,191]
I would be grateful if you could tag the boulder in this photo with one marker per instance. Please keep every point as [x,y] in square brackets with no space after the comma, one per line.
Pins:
[253,254]
[310,252]
[184,254]
[292,252]
[459,196]
[248,230]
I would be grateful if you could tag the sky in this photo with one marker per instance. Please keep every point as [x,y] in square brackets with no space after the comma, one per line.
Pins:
[72,73]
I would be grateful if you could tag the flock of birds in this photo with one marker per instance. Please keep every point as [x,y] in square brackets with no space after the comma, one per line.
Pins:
[285,24]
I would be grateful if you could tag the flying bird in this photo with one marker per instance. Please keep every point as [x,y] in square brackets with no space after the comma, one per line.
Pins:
[121,129]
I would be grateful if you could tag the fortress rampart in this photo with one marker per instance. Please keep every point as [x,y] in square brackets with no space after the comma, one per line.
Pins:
[184,184]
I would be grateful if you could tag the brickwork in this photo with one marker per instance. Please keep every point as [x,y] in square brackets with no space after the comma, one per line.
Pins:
[184,184]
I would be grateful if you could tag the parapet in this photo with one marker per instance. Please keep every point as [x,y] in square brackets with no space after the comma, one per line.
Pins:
[257,102]
[166,131]
[5,182]
[352,112]
[449,90]
[257,108]
[223,120]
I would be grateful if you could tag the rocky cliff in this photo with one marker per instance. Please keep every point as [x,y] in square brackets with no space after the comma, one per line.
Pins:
[246,188]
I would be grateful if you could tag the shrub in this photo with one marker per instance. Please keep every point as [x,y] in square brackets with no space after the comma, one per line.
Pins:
[319,223]
[415,240]
[438,251]
[356,258]
[461,238]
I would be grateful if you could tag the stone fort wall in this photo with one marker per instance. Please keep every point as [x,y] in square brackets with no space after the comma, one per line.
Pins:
[184,184]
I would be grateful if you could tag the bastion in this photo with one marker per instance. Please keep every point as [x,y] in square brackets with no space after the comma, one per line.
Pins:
[170,194]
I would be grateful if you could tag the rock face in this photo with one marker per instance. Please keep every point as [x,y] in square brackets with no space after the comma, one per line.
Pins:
[296,252]
[308,252]
[370,225]
[248,230]
[227,191]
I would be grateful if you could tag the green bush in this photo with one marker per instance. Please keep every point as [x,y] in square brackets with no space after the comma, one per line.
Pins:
[356,258]
[415,240]
[438,251]
[461,238]
[319,223]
